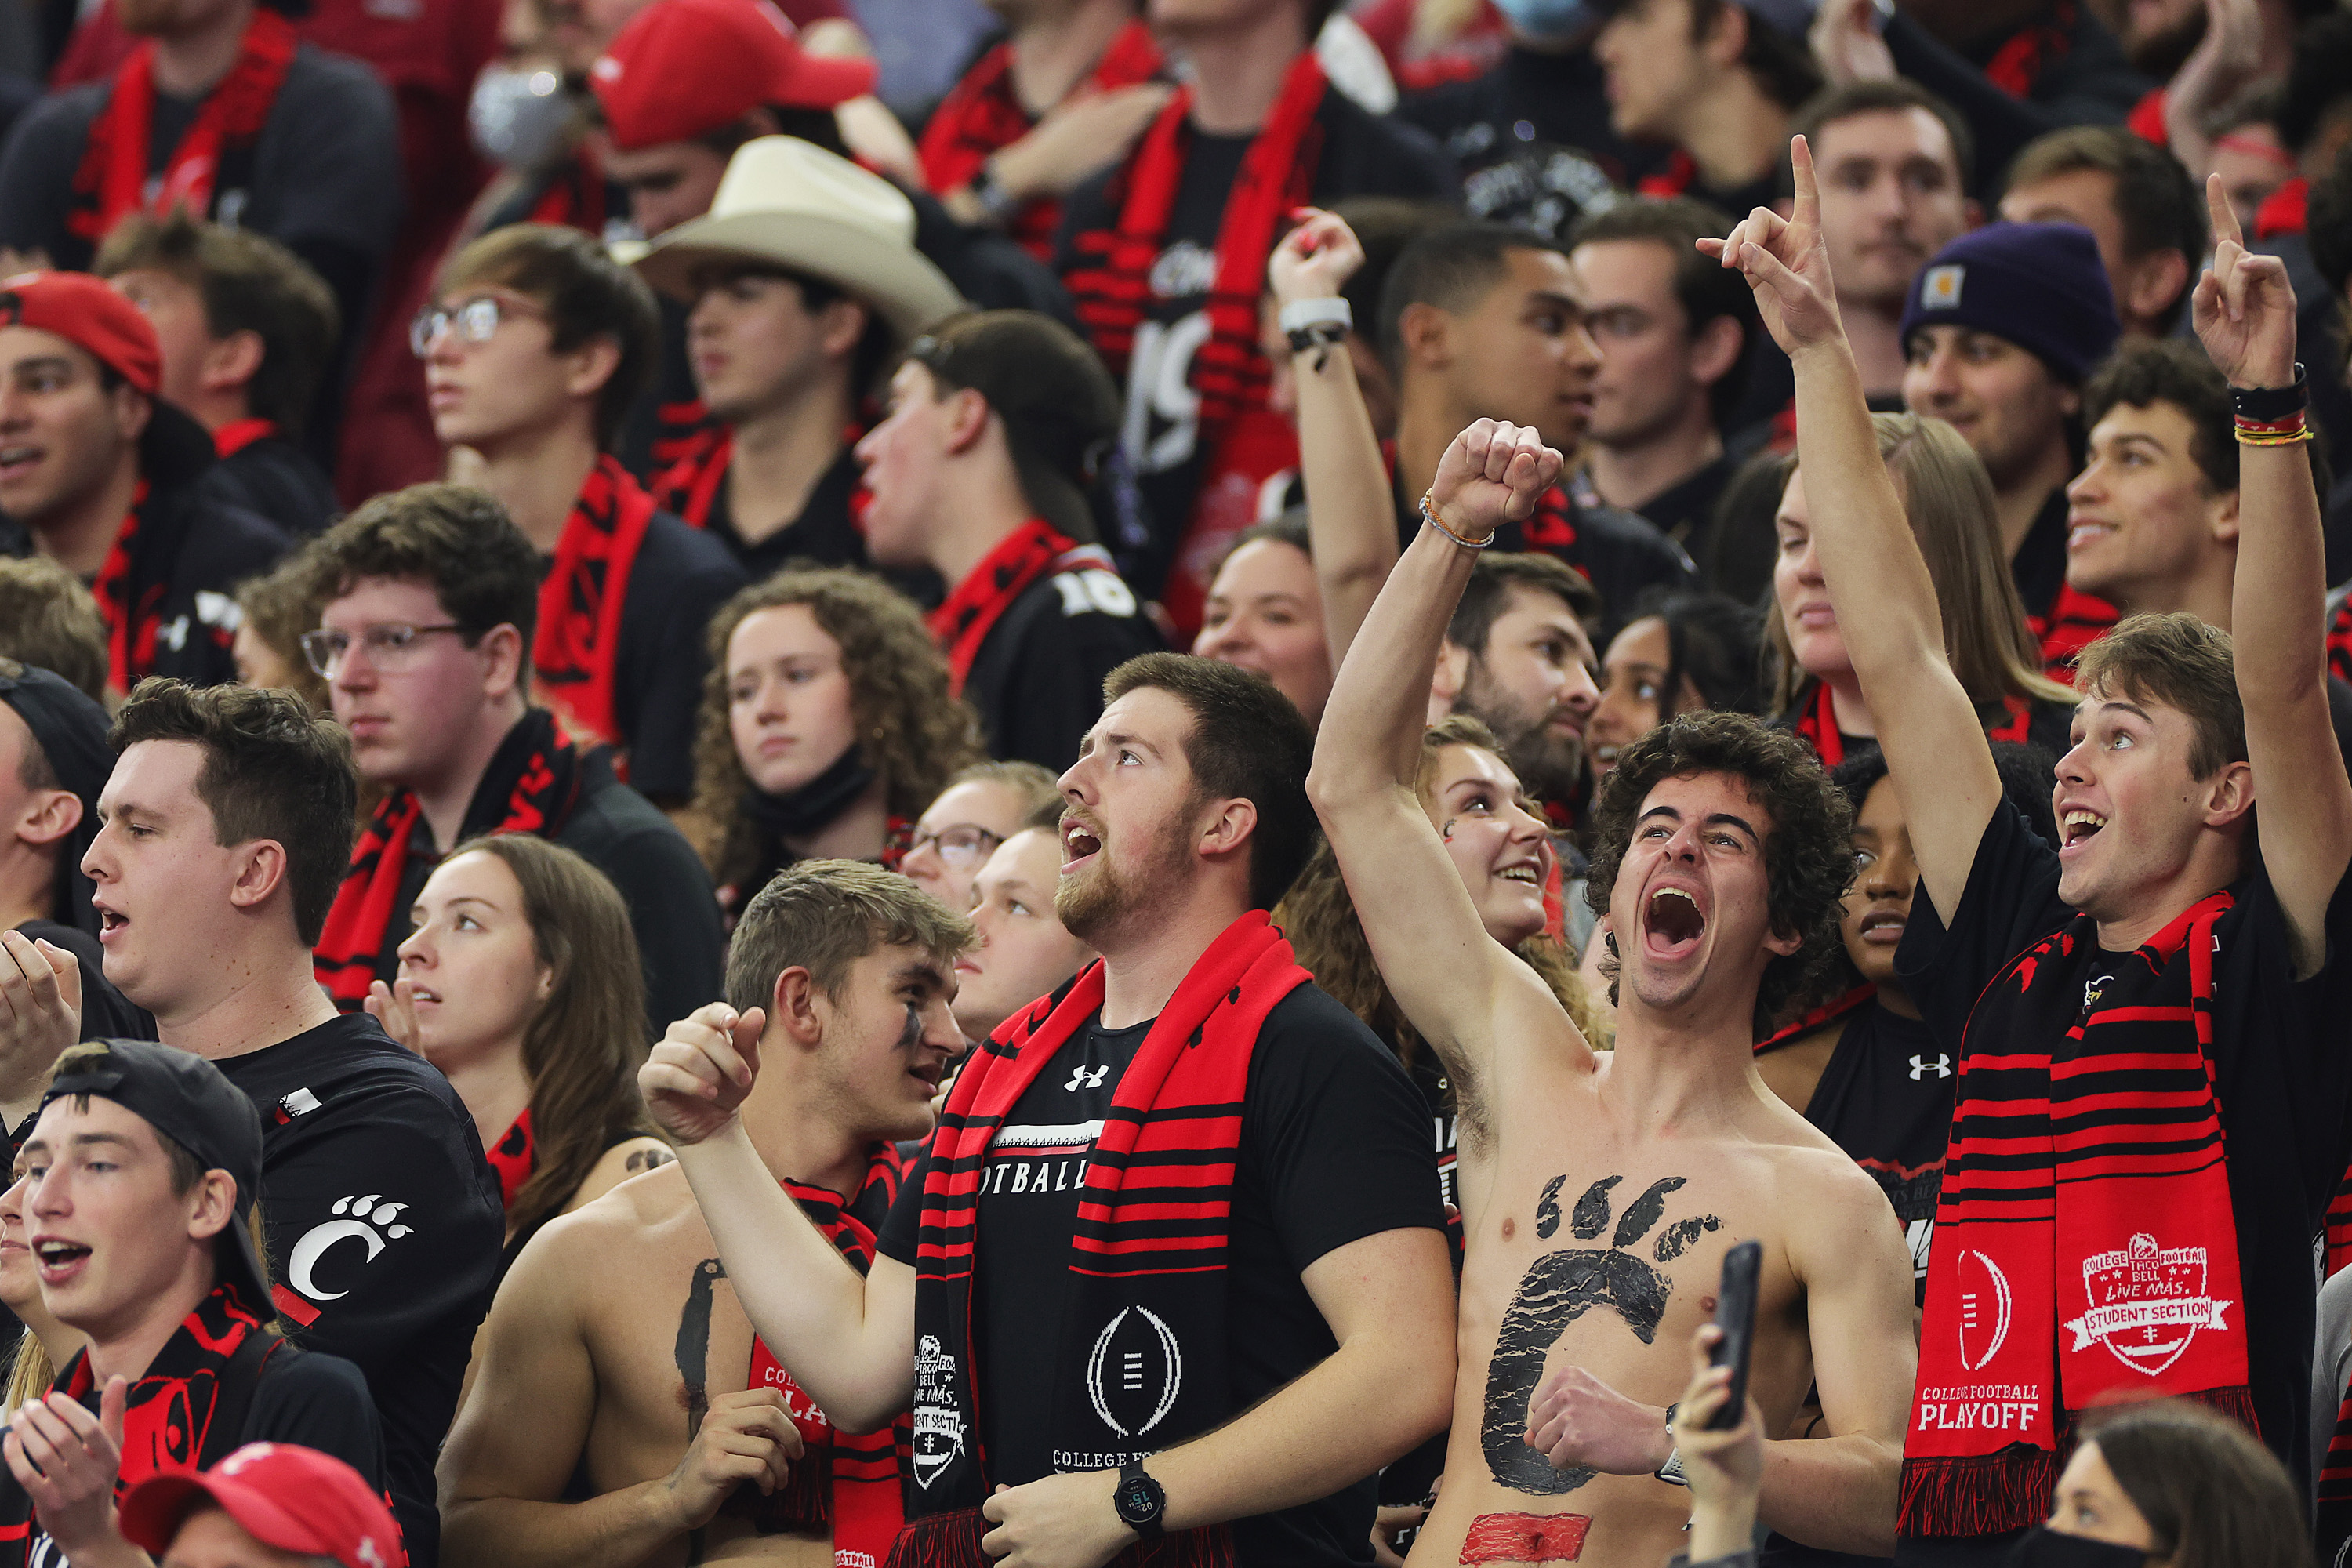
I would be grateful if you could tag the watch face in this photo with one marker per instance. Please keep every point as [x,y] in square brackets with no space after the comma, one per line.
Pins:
[1135,1499]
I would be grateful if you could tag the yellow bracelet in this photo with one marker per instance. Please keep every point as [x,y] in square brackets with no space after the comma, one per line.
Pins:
[1429,515]
[2271,439]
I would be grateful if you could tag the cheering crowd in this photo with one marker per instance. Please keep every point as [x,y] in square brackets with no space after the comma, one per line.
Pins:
[1109,783]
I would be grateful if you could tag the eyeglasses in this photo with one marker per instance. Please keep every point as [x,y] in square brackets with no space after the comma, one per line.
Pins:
[474,322]
[390,649]
[964,846]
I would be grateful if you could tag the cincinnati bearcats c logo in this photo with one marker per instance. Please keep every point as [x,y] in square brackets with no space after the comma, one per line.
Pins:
[320,1239]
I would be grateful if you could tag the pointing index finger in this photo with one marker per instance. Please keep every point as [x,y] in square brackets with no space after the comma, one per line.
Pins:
[2224,217]
[1806,210]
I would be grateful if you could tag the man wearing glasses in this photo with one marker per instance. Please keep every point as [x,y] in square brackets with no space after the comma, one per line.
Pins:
[426,639]
[537,345]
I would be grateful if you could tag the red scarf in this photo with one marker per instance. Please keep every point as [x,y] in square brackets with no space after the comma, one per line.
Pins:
[513,1157]
[847,1481]
[963,621]
[582,598]
[239,434]
[688,485]
[2085,1244]
[2286,210]
[981,116]
[2339,642]
[2018,64]
[2146,118]
[111,181]
[1242,443]
[1816,723]
[530,788]
[1680,173]
[574,193]
[132,601]
[1176,1122]
[2075,620]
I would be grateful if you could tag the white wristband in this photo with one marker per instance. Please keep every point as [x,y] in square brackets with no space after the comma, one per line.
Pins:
[1301,314]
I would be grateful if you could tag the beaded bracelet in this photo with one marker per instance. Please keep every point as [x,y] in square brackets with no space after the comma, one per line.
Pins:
[1429,515]
[2275,433]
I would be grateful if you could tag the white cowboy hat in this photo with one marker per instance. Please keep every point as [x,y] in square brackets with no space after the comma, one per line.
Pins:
[788,202]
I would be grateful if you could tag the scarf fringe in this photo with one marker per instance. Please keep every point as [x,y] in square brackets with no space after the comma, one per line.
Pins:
[951,1540]
[1989,1494]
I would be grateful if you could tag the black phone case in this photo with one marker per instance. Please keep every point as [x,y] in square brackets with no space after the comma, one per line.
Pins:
[1735,1314]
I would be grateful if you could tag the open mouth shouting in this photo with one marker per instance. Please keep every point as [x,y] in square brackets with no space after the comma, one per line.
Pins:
[1080,843]
[60,1258]
[110,923]
[1673,923]
[2077,827]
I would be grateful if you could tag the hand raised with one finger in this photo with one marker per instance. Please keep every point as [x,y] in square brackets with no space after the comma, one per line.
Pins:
[1787,263]
[2244,307]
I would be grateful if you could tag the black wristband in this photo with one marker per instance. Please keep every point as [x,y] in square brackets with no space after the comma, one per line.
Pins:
[1322,334]
[2269,404]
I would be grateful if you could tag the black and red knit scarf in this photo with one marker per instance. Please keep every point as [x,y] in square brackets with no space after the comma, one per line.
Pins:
[2085,1195]
[110,182]
[1154,1251]
[130,588]
[981,116]
[2339,642]
[512,1159]
[574,194]
[573,652]
[1816,723]
[689,481]
[2074,622]
[239,434]
[531,786]
[966,616]
[186,1411]
[847,1481]
[2022,59]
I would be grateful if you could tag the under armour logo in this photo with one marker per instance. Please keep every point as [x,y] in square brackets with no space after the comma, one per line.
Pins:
[1081,1079]
[1921,1066]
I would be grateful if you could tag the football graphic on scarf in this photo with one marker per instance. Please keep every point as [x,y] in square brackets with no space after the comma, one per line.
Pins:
[1985,1308]
[1134,1372]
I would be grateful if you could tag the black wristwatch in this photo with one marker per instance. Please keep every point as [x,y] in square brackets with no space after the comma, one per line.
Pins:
[1139,1499]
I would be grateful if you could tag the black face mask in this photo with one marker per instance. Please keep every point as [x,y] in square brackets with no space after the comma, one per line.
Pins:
[2042,1547]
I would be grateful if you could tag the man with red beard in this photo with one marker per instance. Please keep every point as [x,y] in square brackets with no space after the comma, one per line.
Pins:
[1166,255]
[1244,1335]
[219,111]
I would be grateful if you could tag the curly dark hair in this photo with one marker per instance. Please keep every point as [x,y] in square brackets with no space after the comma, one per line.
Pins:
[911,728]
[1808,853]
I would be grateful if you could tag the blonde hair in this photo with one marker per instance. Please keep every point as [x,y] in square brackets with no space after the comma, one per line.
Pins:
[1947,499]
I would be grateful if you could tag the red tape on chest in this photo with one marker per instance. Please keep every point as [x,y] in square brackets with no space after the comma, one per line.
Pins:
[1526,1538]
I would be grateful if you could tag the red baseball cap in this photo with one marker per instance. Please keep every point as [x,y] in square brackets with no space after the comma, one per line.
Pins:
[87,311]
[294,1498]
[737,55]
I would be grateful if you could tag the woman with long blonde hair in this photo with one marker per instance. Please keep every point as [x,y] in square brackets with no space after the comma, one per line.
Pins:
[827,726]
[521,983]
[1948,501]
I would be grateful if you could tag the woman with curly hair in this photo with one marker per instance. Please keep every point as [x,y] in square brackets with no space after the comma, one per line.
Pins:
[827,726]
[521,983]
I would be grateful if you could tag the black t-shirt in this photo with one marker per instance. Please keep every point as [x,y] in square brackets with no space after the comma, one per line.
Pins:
[1038,679]
[275,478]
[1684,510]
[384,1224]
[1335,1147]
[2281,1072]
[672,907]
[1362,155]
[2040,563]
[680,578]
[825,532]
[1533,138]
[1616,550]
[1887,1097]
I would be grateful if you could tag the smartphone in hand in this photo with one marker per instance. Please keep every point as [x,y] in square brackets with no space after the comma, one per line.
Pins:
[1735,1314]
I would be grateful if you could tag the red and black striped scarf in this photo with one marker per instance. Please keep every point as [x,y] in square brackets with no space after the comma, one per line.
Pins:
[982,115]
[2074,622]
[2339,642]
[513,1158]
[2085,1194]
[110,182]
[186,1411]
[530,788]
[1152,1232]
[966,616]
[844,1481]
[582,598]
[130,588]
[1816,723]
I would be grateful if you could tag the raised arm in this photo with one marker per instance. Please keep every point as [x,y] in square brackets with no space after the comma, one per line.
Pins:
[1349,519]
[1878,582]
[848,1338]
[1450,978]
[2244,311]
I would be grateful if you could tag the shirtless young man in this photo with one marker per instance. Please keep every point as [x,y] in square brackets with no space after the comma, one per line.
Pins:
[1600,1193]
[642,1392]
